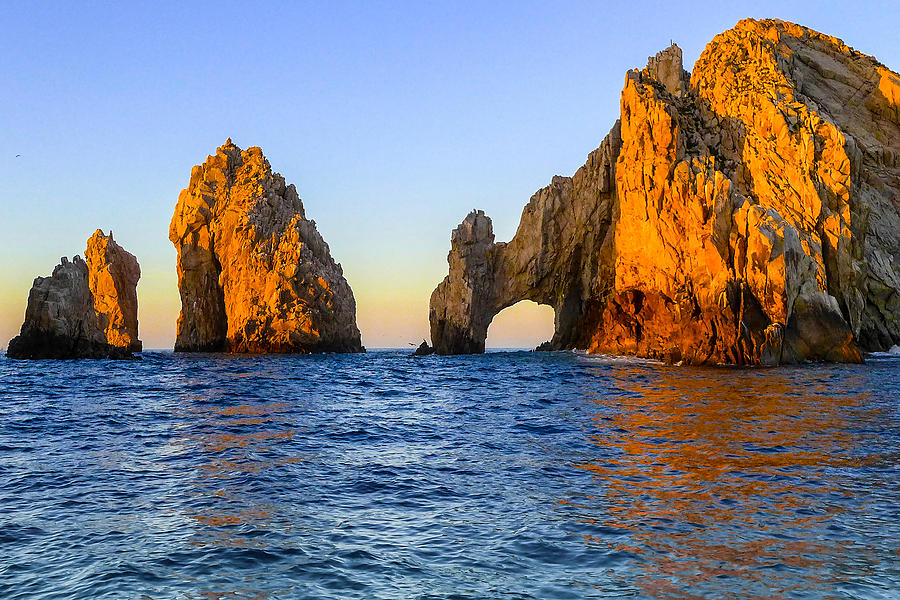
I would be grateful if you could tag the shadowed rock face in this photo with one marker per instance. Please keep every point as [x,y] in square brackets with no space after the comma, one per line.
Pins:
[86,309]
[753,215]
[253,272]
[559,257]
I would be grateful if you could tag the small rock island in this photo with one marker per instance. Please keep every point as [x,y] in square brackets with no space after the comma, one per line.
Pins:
[747,213]
[86,309]
[254,274]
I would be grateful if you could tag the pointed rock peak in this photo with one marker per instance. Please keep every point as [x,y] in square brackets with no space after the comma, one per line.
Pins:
[102,248]
[476,220]
[476,227]
[476,214]
[228,149]
[254,274]
[672,53]
[667,68]
[228,152]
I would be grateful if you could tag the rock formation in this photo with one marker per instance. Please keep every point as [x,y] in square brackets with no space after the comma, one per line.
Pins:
[748,213]
[253,272]
[423,349]
[86,309]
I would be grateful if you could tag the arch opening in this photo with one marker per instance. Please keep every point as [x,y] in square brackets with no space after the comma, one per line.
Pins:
[524,325]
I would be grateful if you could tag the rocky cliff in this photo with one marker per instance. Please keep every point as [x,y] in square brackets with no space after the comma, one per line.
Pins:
[254,274]
[86,309]
[560,256]
[747,213]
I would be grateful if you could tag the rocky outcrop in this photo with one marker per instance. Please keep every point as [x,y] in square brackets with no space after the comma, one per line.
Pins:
[113,274]
[253,272]
[423,349]
[751,215]
[86,309]
[560,256]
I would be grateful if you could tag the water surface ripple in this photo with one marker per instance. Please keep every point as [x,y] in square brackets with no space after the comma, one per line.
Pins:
[510,475]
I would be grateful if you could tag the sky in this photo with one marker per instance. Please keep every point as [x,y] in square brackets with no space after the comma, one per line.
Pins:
[393,120]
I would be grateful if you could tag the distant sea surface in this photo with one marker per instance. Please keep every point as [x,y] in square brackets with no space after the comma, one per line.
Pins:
[510,475]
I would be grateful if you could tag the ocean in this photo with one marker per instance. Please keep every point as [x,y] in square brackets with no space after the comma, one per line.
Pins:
[507,475]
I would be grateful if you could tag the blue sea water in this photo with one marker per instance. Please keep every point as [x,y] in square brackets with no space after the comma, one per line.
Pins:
[509,475]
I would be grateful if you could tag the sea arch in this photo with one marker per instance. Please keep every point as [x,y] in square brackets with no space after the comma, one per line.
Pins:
[560,256]
[523,324]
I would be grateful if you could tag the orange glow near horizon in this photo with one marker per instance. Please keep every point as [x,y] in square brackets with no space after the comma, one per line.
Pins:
[395,317]
[522,325]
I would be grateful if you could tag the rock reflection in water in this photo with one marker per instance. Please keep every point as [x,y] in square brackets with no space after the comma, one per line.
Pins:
[712,475]
[238,448]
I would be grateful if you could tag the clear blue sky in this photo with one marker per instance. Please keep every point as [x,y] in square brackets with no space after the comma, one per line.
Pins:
[393,120]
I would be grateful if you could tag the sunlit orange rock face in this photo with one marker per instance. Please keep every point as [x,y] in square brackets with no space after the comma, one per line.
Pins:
[754,217]
[113,274]
[86,309]
[254,274]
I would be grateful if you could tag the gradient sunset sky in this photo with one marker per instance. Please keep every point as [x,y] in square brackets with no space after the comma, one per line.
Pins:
[393,120]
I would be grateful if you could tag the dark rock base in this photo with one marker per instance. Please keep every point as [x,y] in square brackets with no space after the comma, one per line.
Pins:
[40,345]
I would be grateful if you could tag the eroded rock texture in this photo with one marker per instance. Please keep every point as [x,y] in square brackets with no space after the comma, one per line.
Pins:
[560,256]
[253,272]
[86,309]
[750,214]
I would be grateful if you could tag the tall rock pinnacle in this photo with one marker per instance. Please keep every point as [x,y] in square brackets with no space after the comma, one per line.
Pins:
[254,274]
[746,213]
[86,309]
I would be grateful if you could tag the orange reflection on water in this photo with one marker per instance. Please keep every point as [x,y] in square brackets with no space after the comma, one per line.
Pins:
[227,441]
[231,442]
[719,474]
